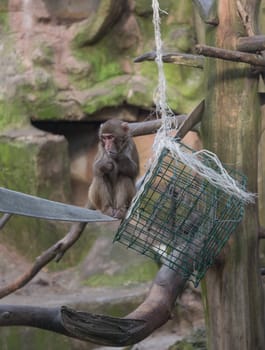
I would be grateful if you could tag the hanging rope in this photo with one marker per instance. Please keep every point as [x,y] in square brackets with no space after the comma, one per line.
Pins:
[220,177]
[162,107]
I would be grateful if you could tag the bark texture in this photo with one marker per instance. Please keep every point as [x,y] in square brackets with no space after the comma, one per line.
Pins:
[230,128]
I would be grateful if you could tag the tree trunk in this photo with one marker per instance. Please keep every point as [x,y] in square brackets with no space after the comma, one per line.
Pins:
[232,288]
[261,177]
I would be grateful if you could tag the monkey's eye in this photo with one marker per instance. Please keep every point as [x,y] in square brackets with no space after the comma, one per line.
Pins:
[108,138]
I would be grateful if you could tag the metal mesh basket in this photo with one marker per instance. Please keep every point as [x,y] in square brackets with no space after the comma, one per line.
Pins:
[180,218]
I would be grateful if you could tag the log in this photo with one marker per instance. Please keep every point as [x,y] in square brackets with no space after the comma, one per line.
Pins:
[151,126]
[230,55]
[254,43]
[234,316]
[183,123]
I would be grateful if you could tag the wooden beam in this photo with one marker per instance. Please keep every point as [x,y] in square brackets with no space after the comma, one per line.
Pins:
[183,123]
[255,43]
[151,126]
[230,55]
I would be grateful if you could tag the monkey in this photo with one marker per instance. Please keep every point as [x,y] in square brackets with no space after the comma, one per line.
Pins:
[115,169]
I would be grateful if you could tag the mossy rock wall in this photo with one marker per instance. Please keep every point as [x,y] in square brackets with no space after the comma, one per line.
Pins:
[35,163]
[70,61]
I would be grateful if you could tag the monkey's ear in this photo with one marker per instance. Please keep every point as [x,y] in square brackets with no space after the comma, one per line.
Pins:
[125,126]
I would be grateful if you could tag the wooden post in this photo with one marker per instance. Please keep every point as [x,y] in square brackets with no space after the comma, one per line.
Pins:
[232,288]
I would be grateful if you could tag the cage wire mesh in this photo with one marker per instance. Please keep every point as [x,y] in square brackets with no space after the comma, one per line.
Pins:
[180,218]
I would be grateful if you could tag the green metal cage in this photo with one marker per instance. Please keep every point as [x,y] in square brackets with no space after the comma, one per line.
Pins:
[179,218]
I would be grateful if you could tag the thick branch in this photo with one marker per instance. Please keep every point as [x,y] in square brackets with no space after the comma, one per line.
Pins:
[151,126]
[150,315]
[55,252]
[254,43]
[174,57]
[230,55]
[183,123]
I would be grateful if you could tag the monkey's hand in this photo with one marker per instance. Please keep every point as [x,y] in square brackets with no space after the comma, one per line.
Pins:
[104,167]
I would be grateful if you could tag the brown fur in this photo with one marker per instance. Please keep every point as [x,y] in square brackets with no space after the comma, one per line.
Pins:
[115,169]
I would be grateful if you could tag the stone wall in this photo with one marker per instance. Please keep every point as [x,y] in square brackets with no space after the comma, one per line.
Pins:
[72,59]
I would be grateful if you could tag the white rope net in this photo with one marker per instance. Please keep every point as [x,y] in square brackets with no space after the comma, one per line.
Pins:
[219,178]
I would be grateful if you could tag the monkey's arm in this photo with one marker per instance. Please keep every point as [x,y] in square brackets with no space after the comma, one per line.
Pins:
[128,167]
[104,166]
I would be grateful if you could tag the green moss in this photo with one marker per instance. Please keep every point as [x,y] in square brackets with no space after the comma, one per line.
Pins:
[122,307]
[79,251]
[20,164]
[110,93]
[25,338]
[45,110]
[183,87]
[90,30]
[196,341]
[40,102]
[147,30]
[36,100]
[183,84]
[182,345]
[143,8]
[4,16]
[104,63]
[12,113]
[14,157]
[32,236]
[46,55]
[179,38]
[131,275]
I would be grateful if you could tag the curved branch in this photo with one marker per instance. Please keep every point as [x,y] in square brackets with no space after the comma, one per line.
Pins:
[55,252]
[101,329]
[112,331]
[106,330]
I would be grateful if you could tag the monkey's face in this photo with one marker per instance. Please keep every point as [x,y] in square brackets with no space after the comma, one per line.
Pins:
[113,136]
[111,144]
